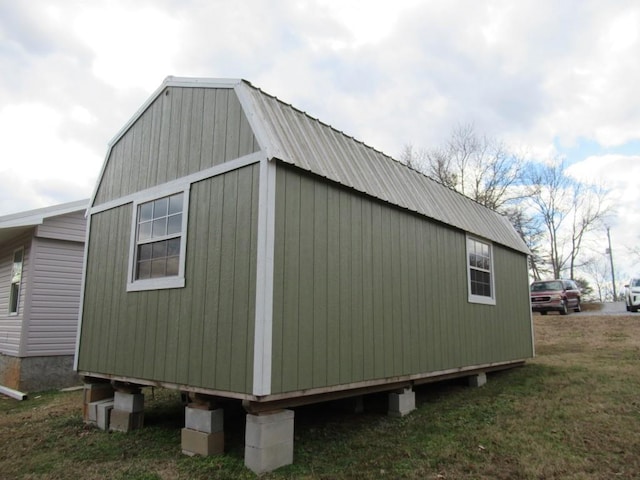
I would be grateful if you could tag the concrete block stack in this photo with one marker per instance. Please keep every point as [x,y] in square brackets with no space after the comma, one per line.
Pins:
[95,393]
[203,432]
[128,411]
[269,441]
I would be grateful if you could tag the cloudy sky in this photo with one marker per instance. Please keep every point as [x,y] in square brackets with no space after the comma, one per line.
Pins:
[554,78]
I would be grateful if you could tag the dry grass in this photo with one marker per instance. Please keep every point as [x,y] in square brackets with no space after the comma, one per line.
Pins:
[573,412]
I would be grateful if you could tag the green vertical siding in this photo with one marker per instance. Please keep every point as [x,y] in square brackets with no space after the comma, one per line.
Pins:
[183,131]
[364,291]
[200,335]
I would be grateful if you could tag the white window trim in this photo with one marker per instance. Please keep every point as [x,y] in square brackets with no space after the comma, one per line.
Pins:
[134,285]
[13,256]
[480,298]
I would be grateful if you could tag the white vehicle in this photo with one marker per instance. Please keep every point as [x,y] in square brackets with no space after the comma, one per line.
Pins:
[632,294]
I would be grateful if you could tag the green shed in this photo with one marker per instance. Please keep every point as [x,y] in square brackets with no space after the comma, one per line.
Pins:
[240,248]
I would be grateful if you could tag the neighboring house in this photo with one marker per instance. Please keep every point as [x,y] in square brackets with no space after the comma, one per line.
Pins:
[41,258]
[240,248]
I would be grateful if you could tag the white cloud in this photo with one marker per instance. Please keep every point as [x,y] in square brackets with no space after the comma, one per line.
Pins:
[619,173]
[32,166]
[133,45]
[540,74]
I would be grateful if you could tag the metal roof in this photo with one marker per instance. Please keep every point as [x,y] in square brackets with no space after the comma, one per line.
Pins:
[296,138]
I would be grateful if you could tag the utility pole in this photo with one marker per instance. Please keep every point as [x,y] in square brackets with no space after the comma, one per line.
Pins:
[613,273]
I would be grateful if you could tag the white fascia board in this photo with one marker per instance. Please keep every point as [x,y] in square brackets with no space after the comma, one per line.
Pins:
[257,121]
[168,82]
[201,82]
[174,82]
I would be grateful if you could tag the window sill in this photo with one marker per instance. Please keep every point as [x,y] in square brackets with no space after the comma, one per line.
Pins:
[482,300]
[155,284]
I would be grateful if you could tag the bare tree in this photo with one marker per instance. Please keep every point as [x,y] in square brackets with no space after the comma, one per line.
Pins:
[553,213]
[589,208]
[532,232]
[477,166]
[413,158]
[485,170]
[569,211]
[598,269]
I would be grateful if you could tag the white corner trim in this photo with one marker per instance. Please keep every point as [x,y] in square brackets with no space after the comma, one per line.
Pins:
[84,279]
[263,331]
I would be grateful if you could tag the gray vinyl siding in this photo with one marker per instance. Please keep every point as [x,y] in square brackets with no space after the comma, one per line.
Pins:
[200,335]
[54,295]
[364,290]
[70,227]
[11,326]
[183,131]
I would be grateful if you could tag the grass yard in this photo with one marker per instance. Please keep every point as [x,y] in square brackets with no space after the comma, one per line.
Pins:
[572,413]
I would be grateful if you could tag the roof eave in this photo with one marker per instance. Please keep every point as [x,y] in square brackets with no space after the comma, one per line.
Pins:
[37,216]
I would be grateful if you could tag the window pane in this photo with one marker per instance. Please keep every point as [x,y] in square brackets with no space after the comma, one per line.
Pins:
[15,294]
[144,231]
[17,256]
[156,220]
[159,227]
[144,252]
[173,247]
[145,212]
[174,224]
[480,283]
[159,249]
[158,268]
[480,268]
[175,204]
[161,207]
[172,265]
[144,270]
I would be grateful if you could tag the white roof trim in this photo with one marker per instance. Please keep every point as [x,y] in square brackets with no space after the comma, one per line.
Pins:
[169,81]
[257,121]
[37,216]
[174,82]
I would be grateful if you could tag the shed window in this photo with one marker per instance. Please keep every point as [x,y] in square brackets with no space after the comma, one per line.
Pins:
[480,271]
[159,236]
[16,281]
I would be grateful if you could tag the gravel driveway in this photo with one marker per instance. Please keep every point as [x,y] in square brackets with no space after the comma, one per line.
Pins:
[609,308]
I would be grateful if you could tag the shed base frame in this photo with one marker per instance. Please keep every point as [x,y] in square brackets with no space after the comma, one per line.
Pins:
[265,403]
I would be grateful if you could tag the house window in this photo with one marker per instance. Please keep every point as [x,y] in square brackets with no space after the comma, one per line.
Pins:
[480,271]
[159,237]
[16,281]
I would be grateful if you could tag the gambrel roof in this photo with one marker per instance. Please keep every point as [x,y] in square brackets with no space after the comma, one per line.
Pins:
[287,134]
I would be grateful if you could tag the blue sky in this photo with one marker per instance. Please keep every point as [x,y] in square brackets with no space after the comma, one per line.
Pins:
[557,80]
